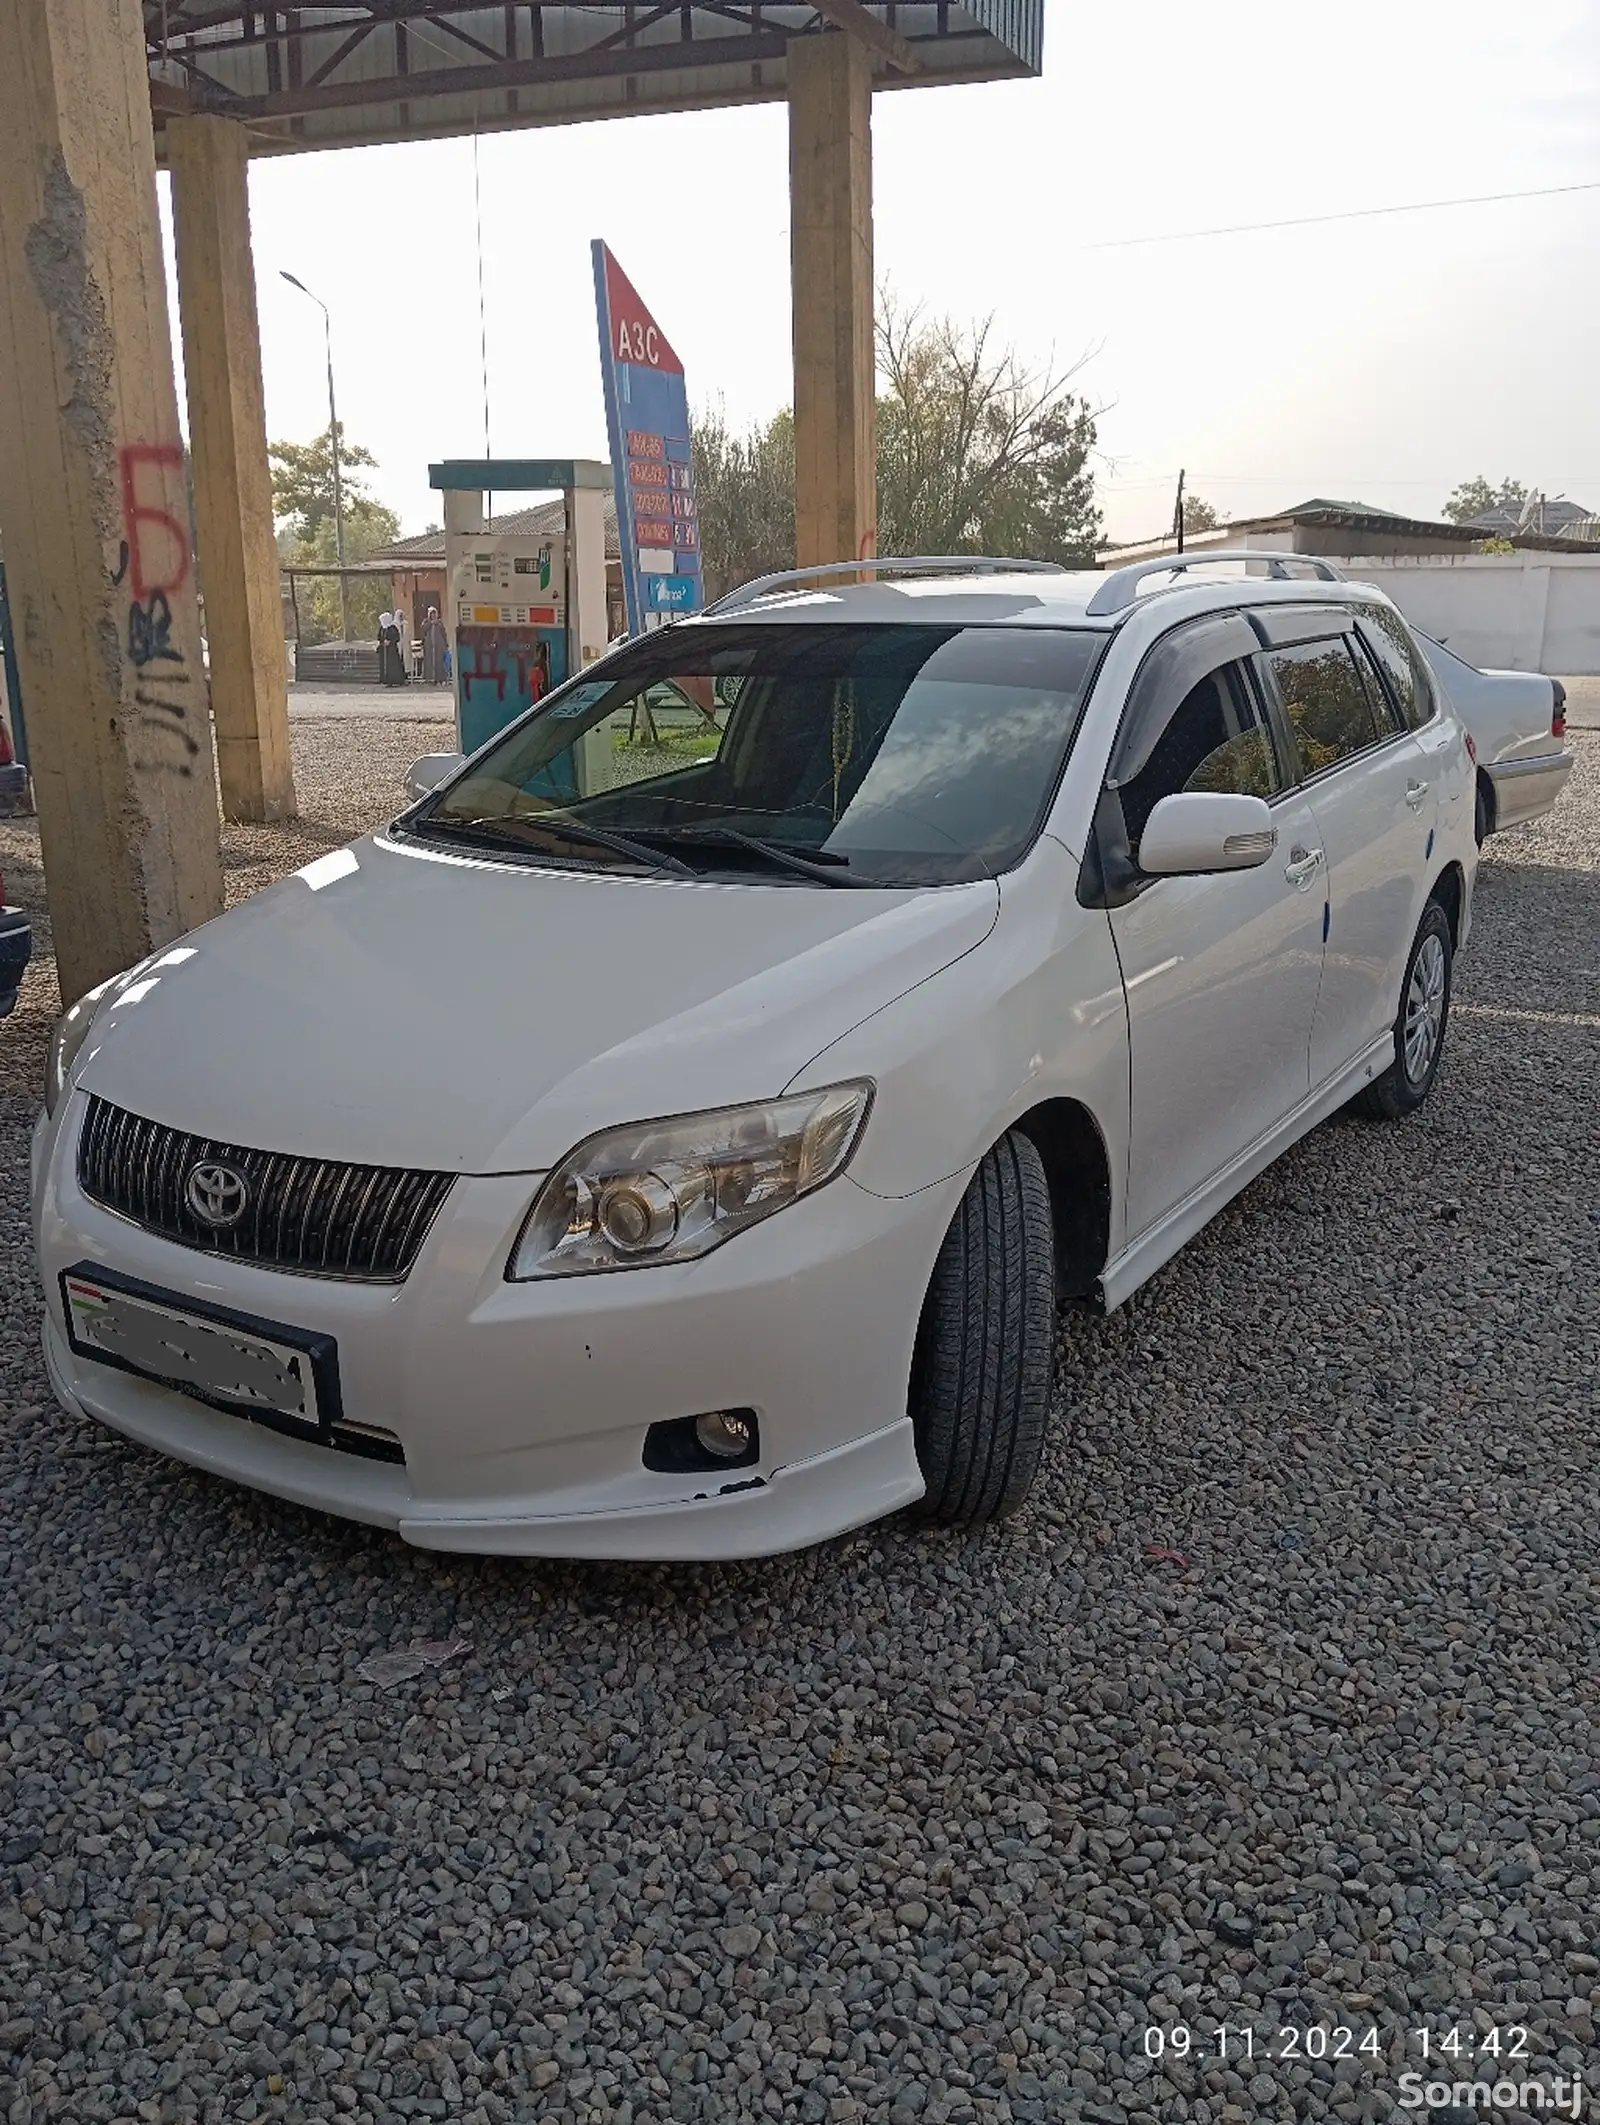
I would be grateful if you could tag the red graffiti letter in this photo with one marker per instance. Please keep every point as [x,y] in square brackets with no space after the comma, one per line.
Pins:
[144,578]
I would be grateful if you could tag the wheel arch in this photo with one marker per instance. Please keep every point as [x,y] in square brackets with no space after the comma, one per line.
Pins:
[1449,889]
[1491,801]
[1077,1166]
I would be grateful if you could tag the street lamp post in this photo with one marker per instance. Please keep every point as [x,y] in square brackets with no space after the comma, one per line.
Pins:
[333,437]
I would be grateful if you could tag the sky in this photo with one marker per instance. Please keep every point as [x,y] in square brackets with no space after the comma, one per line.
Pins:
[1381,359]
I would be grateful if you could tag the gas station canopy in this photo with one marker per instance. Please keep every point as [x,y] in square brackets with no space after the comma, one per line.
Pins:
[380,70]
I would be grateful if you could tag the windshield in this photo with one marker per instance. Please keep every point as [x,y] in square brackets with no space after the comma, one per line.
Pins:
[809,755]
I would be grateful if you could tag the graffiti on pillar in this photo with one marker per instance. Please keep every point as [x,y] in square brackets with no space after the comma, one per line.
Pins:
[154,562]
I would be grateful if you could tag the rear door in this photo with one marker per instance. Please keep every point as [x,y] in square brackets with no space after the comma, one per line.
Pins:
[1412,689]
[1221,972]
[1369,785]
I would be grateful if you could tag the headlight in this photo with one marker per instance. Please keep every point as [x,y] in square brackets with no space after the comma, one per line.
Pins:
[670,1190]
[65,1041]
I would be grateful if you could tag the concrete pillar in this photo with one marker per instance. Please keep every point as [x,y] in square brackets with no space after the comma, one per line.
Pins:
[586,562]
[830,213]
[232,478]
[93,495]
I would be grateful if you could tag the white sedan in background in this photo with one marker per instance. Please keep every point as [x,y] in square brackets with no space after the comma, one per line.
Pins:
[1518,722]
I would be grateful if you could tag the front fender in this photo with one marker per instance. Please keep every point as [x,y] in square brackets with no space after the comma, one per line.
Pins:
[1036,1012]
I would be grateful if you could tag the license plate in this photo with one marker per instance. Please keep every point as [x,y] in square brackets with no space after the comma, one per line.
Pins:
[254,1368]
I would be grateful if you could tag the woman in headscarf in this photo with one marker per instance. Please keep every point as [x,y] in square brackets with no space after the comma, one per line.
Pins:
[435,641]
[390,666]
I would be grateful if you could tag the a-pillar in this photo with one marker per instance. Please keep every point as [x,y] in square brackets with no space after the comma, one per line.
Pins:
[232,478]
[830,210]
[93,496]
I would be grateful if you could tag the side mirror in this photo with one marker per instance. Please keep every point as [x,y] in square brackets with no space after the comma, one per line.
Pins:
[1198,831]
[427,773]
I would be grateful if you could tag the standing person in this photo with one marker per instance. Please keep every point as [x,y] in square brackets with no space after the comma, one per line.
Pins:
[435,645]
[393,667]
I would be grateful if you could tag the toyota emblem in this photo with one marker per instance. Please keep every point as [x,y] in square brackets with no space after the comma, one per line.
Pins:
[216,1194]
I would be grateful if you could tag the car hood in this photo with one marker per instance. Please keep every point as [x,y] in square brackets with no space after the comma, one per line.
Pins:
[402,1006]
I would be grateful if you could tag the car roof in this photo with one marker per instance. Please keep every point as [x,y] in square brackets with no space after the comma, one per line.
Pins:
[1026,600]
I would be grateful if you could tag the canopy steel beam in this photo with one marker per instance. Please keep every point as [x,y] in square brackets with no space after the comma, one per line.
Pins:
[851,16]
[254,62]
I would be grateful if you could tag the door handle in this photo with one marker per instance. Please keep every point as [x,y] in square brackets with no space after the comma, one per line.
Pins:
[1302,864]
[1415,792]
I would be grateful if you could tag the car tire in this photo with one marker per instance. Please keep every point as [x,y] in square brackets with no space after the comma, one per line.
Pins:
[984,1366]
[1420,1026]
[1482,814]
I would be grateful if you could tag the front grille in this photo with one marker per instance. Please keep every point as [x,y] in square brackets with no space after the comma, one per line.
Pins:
[311,1215]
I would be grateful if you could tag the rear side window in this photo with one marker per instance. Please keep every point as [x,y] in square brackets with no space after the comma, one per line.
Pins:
[1216,740]
[1326,701]
[1390,718]
[1404,667]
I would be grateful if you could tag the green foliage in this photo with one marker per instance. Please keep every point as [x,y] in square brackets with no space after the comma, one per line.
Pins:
[1198,514]
[744,486]
[302,481]
[302,496]
[1476,497]
[976,454]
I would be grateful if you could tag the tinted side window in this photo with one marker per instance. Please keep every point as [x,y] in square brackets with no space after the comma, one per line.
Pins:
[1404,666]
[1390,718]
[1216,740]
[1326,702]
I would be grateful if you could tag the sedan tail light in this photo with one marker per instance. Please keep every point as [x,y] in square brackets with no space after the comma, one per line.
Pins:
[1558,713]
[7,757]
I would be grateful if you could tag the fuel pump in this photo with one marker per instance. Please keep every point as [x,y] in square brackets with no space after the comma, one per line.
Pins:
[527,611]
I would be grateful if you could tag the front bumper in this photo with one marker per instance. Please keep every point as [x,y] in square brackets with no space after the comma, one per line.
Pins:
[1526,789]
[522,1408]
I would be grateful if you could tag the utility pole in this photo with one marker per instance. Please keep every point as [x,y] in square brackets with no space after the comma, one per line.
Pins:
[333,441]
[1177,514]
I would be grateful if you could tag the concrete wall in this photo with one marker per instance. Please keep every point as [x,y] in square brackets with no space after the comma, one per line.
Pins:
[1513,611]
[1524,611]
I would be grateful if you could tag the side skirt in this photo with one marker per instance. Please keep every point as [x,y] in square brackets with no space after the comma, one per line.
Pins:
[1123,1275]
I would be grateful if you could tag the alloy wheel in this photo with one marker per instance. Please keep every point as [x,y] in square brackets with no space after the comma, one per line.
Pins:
[1424,1009]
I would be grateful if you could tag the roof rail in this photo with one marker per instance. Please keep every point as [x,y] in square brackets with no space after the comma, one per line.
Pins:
[892,564]
[1120,588]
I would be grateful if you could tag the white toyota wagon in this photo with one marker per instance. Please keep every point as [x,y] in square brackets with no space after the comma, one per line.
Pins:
[671,1137]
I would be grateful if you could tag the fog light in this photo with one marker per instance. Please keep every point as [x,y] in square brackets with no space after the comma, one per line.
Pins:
[722,1440]
[723,1432]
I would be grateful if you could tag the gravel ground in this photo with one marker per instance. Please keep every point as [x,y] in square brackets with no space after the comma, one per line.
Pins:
[1273,1710]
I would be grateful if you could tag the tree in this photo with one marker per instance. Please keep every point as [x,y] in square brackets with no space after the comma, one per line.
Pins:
[1198,515]
[302,497]
[744,487]
[1476,497]
[977,452]
[302,480]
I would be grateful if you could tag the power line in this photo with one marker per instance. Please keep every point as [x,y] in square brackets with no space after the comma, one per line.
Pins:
[1306,221]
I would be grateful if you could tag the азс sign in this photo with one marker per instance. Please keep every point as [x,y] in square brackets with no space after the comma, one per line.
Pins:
[647,414]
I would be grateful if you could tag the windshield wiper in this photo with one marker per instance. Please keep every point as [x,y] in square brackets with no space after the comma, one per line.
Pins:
[825,865]
[573,830]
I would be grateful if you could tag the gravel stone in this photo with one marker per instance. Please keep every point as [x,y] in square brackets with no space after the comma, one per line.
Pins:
[650,1854]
